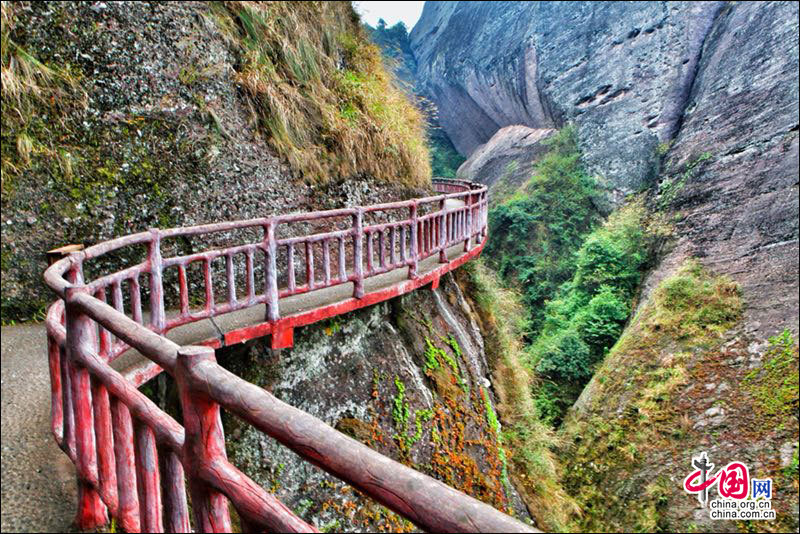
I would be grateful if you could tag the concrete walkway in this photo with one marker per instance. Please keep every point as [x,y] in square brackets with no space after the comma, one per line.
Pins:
[39,493]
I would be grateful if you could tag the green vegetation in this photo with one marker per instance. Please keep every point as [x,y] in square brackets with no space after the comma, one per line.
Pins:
[321,93]
[396,48]
[527,439]
[536,232]
[587,314]
[672,341]
[32,93]
[445,159]
[670,187]
[774,385]
[400,405]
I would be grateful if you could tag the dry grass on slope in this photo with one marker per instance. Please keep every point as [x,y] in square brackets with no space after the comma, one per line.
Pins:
[530,442]
[319,91]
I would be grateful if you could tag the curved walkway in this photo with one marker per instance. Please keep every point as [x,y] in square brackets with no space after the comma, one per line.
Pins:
[117,438]
[38,479]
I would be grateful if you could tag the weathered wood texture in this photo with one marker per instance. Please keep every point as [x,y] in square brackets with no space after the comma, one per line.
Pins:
[134,461]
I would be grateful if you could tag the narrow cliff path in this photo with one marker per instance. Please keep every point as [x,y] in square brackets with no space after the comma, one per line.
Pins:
[39,493]
[38,481]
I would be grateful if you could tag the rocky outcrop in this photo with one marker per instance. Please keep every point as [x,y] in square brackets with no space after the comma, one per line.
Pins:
[732,172]
[505,162]
[621,70]
[731,180]
[408,378]
[150,129]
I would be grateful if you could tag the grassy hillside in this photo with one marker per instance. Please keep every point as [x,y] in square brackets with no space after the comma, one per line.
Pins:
[321,92]
[683,378]
[121,117]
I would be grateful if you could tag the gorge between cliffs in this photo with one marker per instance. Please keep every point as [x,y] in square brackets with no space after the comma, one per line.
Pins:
[635,304]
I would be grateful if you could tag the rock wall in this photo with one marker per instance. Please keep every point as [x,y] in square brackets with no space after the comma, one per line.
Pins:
[621,70]
[505,162]
[408,378]
[730,180]
[137,119]
[697,103]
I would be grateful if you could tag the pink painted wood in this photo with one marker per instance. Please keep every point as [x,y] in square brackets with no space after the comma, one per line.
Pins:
[131,457]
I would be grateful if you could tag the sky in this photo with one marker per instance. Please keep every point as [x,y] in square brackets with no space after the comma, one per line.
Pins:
[391,12]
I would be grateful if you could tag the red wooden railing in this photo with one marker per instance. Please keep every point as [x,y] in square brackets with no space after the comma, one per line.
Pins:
[135,462]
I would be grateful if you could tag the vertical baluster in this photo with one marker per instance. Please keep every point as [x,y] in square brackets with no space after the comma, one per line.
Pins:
[369,252]
[136,299]
[204,443]
[326,260]
[209,286]
[310,264]
[290,257]
[183,289]
[271,273]
[425,235]
[427,244]
[81,343]
[403,243]
[106,465]
[104,335]
[176,511]
[412,269]
[468,215]
[116,297]
[230,278]
[128,508]
[147,478]
[440,224]
[251,277]
[342,270]
[382,246]
[67,405]
[393,259]
[56,396]
[157,314]
[358,236]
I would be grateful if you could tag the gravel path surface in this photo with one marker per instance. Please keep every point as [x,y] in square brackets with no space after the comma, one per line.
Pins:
[39,493]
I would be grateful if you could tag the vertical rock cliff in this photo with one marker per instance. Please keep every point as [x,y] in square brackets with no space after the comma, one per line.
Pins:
[409,378]
[622,71]
[694,105]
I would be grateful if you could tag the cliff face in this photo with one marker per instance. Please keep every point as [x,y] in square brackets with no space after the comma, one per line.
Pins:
[622,71]
[731,178]
[697,105]
[119,117]
[408,378]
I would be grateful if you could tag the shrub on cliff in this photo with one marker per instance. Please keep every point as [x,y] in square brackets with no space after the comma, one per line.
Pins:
[537,232]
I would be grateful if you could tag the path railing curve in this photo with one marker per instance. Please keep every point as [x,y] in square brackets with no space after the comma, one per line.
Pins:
[134,462]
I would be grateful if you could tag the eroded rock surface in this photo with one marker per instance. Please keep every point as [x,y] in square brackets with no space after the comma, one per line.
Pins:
[621,70]
[505,162]
[407,377]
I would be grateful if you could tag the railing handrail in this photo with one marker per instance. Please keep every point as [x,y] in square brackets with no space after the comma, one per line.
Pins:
[91,401]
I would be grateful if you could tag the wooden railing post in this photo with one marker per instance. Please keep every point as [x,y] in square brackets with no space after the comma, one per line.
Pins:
[271,278]
[157,315]
[81,341]
[442,232]
[468,242]
[358,268]
[412,269]
[204,442]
